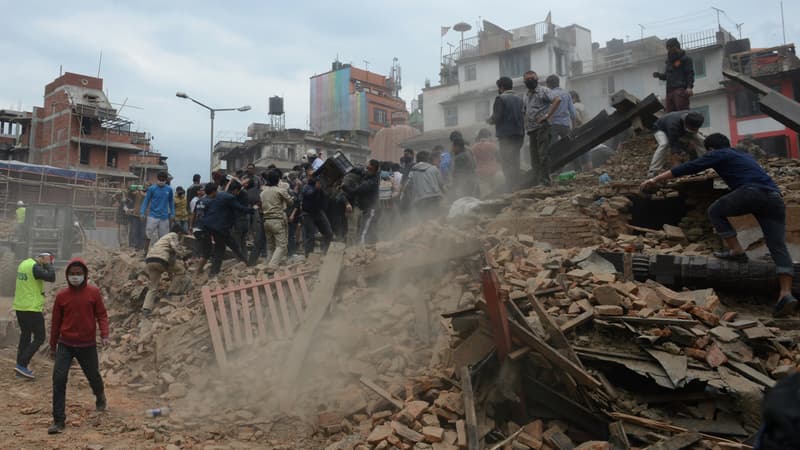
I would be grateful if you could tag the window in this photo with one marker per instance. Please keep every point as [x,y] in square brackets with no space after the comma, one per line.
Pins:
[481,111]
[451,116]
[700,67]
[560,62]
[514,64]
[470,72]
[379,116]
[291,154]
[84,154]
[609,87]
[746,103]
[706,115]
[86,125]
[111,158]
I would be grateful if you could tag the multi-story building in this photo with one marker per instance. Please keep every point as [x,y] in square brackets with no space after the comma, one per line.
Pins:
[350,99]
[286,148]
[778,68]
[466,90]
[12,125]
[78,128]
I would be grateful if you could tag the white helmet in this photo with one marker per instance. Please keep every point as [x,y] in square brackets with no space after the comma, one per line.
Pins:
[311,152]
[20,203]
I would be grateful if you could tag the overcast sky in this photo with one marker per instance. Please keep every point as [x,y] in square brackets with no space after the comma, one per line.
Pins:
[229,54]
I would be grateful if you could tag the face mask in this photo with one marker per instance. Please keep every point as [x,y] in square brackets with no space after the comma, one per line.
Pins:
[75,280]
[161,183]
[531,84]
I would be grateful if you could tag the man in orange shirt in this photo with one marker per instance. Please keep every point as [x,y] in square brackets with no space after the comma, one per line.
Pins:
[485,152]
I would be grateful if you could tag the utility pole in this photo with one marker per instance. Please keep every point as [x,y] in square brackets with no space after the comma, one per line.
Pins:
[719,27]
[366,65]
[783,25]
[641,34]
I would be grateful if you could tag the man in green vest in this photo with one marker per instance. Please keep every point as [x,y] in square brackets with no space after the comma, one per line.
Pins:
[28,305]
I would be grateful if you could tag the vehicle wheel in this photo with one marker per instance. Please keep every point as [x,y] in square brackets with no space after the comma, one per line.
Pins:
[8,273]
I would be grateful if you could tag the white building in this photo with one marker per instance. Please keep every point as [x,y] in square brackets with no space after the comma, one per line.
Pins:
[467,89]
[464,97]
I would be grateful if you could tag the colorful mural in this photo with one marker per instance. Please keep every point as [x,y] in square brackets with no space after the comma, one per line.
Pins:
[334,107]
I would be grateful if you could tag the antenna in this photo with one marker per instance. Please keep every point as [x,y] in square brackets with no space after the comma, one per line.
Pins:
[723,12]
[783,25]
[99,63]
[366,65]
[641,27]
[739,29]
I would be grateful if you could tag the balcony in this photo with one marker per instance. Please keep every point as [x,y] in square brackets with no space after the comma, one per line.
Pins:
[765,62]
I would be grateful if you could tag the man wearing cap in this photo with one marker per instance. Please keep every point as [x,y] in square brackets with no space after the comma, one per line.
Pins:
[314,159]
[679,75]
[28,305]
[676,132]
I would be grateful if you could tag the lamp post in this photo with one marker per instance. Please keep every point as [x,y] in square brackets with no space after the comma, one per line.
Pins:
[212,113]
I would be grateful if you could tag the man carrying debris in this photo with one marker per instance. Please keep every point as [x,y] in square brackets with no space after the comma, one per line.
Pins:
[509,128]
[362,201]
[28,305]
[275,200]
[161,205]
[679,75]
[539,105]
[678,133]
[77,312]
[752,192]
[218,221]
[162,257]
[425,189]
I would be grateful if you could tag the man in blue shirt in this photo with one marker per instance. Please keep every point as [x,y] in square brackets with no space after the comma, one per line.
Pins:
[752,192]
[563,118]
[161,203]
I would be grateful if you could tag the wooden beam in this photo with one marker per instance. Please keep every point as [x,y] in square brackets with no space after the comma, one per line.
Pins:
[676,442]
[321,296]
[382,392]
[469,409]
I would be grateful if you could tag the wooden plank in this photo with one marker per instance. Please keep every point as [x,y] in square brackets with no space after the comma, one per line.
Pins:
[677,442]
[617,436]
[553,356]
[237,326]
[298,305]
[223,320]
[557,338]
[301,278]
[274,313]
[213,327]
[262,328]
[751,374]
[321,296]
[248,326]
[469,409]
[382,392]
[287,319]
[652,321]
[663,426]
[461,434]
[577,321]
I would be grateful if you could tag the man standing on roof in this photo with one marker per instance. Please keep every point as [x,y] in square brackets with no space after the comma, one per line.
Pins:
[28,305]
[679,75]
[77,312]
[161,204]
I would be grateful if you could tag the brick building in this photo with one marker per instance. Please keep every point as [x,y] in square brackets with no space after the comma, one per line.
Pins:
[78,128]
[351,99]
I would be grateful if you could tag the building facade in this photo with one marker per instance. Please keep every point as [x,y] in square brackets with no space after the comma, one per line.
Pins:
[350,99]
[77,128]
[287,148]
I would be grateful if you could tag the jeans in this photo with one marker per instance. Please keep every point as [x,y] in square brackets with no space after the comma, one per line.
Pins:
[311,223]
[135,232]
[509,147]
[30,323]
[768,208]
[155,229]
[221,240]
[540,159]
[677,100]
[87,358]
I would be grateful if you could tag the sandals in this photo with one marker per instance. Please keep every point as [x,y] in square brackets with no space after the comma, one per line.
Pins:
[785,306]
[730,256]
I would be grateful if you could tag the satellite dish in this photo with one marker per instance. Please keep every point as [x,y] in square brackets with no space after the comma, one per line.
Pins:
[462,27]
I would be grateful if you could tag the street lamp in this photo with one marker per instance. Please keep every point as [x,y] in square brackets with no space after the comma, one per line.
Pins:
[212,112]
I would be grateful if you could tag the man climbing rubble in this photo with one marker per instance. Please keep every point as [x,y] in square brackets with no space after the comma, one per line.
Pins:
[752,192]
[28,305]
[162,257]
[678,133]
[77,312]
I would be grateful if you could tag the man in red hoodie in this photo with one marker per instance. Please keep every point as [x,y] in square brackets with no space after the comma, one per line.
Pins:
[77,311]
